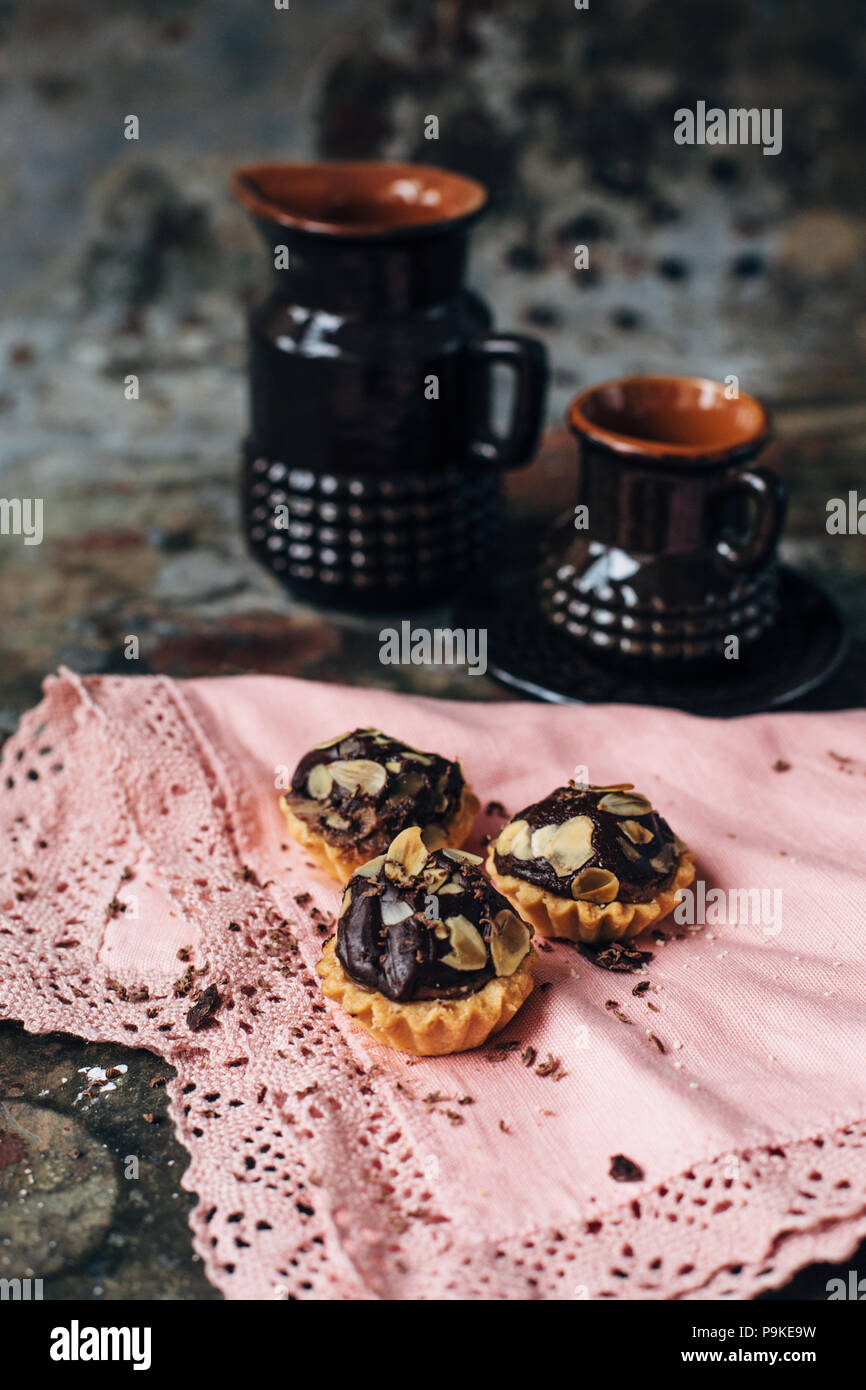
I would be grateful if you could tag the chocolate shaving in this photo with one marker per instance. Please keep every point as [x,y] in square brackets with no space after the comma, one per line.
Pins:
[624,1169]
[202,1012]
[613,1008]
[495,808]
[641,987]
[656,1042]
[528,1056]
[552,1067]
[616,956]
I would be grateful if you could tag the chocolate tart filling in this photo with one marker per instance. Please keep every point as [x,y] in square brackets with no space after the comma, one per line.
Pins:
[418,926]
[363,788]
[595,843]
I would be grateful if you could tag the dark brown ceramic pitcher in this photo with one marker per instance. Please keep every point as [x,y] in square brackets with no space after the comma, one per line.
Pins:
[372,473]
[671,548]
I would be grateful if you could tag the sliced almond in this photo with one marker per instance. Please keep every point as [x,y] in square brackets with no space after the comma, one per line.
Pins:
[417,757]
[434,878]
[434,836]
[409,849]
[394,766]
[628,849]
[408,784]
[514,838]
[464,855]
[452,887]
[509,942]
[395,872]
[392,913]
[337,822]
[621,804]
[372,867]
[637,833]
[595,886]
[319,781]
[566,847]
[331,742]
[358,774]
[347,898]
[664,860]
[594,787]
[468,951]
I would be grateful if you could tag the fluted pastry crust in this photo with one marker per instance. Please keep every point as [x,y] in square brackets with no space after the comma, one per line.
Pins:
[551,915]
[428,1027]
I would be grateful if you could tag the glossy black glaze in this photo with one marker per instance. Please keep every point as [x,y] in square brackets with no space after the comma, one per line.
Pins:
[677,557]
[357,489]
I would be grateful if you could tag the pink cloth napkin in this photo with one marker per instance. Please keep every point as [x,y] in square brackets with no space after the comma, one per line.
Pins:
[330,1167]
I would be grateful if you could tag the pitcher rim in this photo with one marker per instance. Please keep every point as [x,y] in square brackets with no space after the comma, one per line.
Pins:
[255,201]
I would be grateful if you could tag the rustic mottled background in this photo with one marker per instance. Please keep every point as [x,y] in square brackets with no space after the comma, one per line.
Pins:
[124,257]
[119,256]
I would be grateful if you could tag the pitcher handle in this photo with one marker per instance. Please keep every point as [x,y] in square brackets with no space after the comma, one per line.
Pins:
[526,358]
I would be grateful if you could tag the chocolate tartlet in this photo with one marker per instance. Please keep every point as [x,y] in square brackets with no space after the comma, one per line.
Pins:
[351,795]
[428,957]
[590,863]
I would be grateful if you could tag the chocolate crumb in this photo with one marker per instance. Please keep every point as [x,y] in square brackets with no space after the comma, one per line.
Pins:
[613,1008]
[157,1081]
[114,909]
[202,1012]
[495,808]
[655,1008]
[641,987]
[656,1042]
[504,1127]
[781,766]
[616,956]
[183,984]
[454,1117]
[541,945]
[624,1169]
[552,1067]
[528,1056]
[303,898]
[150,1118]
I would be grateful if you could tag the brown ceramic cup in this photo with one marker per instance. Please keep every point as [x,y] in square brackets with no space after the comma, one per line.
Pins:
[671,548]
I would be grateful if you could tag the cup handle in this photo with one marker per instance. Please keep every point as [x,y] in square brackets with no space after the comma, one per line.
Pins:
[526,358]
[753,550]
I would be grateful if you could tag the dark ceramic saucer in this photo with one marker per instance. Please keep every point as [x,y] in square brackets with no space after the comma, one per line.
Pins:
[525,652]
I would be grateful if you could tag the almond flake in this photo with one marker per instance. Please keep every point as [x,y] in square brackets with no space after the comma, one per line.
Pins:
[468,951]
